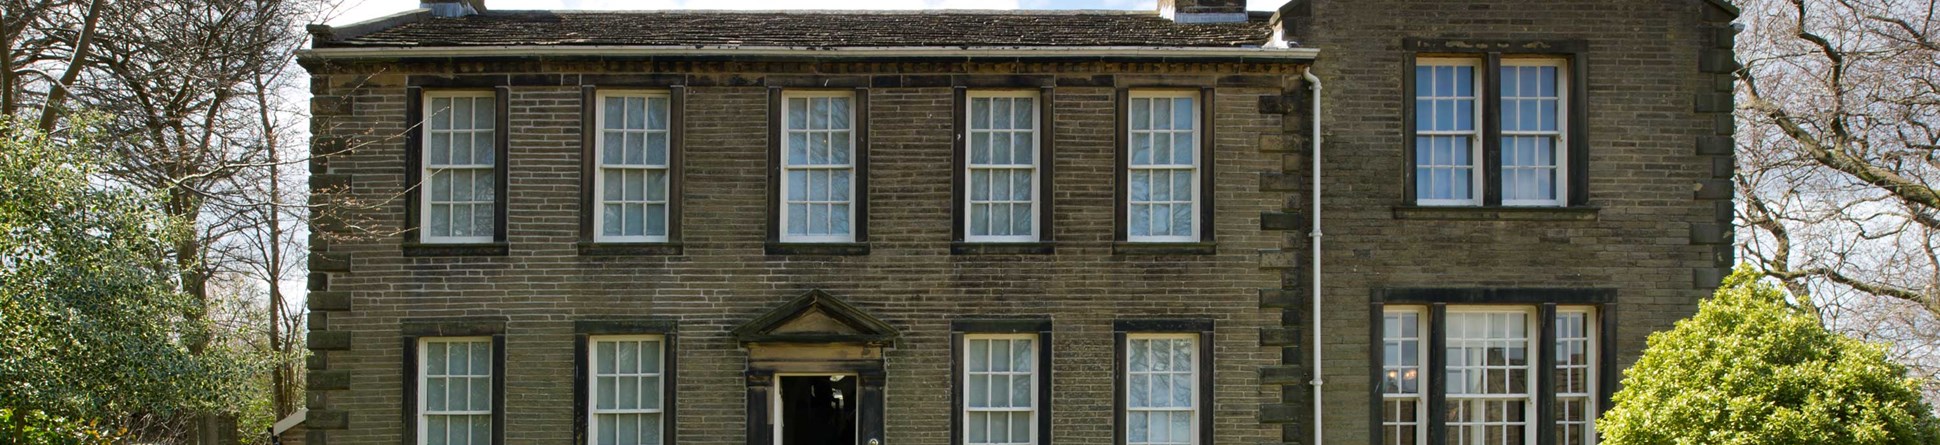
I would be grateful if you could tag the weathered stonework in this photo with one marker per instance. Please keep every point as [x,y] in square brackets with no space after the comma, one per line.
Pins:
[1655,229]
[1656,225]
[910,276]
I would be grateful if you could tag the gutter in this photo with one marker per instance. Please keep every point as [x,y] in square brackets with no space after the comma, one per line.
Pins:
[290,421]
[1022,52]
[1319,426]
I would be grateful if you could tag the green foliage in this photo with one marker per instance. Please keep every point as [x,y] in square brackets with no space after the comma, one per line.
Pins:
[91,322]
[1753,368]
[39,428]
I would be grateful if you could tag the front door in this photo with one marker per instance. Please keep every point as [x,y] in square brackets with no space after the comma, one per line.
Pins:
[815,373]
[816,409]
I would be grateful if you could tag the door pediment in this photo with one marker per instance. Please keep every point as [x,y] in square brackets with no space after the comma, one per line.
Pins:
[817,317]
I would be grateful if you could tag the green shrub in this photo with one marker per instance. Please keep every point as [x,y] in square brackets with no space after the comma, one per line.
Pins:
[35,427]
[1754,368]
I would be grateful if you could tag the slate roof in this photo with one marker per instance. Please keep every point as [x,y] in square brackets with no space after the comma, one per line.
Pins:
[811,29]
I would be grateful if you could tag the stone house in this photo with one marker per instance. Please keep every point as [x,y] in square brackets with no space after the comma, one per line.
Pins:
[1370,222]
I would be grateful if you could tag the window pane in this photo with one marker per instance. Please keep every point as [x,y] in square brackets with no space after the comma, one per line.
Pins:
[797,113]
[461,113]
[797,148]
[839,113]
[1022,111]
[979,429]
[439,116]
[437,149]
[461,148]
[1161,114]
[818,113]
[655,146]
[797,219]
[1182,149]
[839,186]
[979,148]
[840,147]
[1161,148]
[1182,114]
[481,394]
[650,429]
[481,188]
[1023,149]
[1020,427]
[979,113]
[656,113]
[980,219]
[628,430]
[838,219]
[656,220]
[1020,391]
[1020,220]
[483,112]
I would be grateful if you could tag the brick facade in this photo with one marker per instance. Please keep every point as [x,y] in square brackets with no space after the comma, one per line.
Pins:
[1658,234]
[722,277]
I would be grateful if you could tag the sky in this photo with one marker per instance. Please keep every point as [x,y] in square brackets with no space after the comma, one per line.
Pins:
[359,10]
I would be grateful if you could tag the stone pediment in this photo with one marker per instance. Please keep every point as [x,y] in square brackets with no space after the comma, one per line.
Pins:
[816,317]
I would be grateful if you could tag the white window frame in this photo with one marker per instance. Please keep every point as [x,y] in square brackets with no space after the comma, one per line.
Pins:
[1198,159]
[1477,177]
[1532,338]
[854,199]
[426,171]
[423,373]
[1036,167]
[1031,377]
[1198,365]
[1533,329]
[1590,355]
[1420,395]
[1561,186]
[599,166]
[593,410]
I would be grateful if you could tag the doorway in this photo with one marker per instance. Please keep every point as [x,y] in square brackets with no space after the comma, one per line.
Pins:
[816,409]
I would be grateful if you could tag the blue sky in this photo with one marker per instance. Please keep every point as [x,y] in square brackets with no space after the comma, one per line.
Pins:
[357,10]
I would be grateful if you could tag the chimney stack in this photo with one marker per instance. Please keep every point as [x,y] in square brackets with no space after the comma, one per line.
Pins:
[453,8]
[1203,11]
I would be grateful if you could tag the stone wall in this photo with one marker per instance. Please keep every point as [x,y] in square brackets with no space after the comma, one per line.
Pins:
[363,285]
[1656,225]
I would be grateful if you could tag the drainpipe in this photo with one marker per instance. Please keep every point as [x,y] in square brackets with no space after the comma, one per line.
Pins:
[1319,427]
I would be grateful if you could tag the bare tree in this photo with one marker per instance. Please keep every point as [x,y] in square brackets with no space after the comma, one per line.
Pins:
[199,101]
[1838,158]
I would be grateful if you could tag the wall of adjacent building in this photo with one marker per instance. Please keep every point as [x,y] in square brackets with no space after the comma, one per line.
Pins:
[1658,102]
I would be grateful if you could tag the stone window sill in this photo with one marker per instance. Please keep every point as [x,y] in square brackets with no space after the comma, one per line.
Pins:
[830,249]
[1496,213]
[417,249]
[1132,248]
[977,248]
[629,249]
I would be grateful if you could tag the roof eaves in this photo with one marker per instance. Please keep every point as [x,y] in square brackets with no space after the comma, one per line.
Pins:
[958,52]
[327,33]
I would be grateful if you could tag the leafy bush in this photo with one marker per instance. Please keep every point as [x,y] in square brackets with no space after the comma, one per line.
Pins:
[38,428]
[91,323]
[1754,368]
